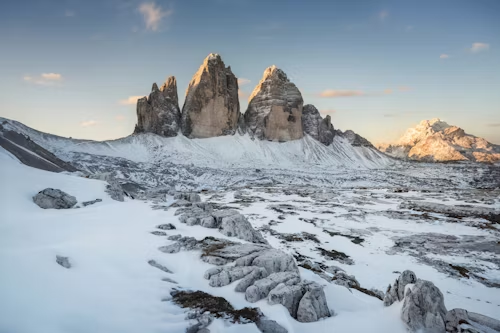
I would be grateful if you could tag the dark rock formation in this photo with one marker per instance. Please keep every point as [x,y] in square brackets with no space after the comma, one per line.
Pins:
[160,113]
[275,108]
[317,127]
[354,139]
[53,198]
[211,107]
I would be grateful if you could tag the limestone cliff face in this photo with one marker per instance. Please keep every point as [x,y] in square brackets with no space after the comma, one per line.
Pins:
[211,107]
[159,113]
[275,108]
[317,127]
[436,141]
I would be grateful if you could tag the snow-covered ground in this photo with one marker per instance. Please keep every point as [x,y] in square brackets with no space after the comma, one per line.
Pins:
[111,287]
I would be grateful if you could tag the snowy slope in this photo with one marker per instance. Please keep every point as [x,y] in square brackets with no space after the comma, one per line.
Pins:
[226,151]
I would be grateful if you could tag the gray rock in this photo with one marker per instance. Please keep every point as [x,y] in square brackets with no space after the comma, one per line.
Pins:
[354,139]
[288,296]
[88,203]
[181,203]
[261,288]
[211,107]
[227,275]
[342,279]
[160,113]
[220,214]
[191,197]
[115,191]
[63,261]
[266,325]
[174,237]
[423,308]
[166,226]
[461,321]
[172,248]
[208,222]
[396,291]
[275,108]
[159,266]
[272,260]
[238,226]
[256,274]
[317,127]
[313,306]
[159,233]
[53,198]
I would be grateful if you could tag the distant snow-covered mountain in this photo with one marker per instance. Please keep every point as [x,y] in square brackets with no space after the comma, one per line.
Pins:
[436,141]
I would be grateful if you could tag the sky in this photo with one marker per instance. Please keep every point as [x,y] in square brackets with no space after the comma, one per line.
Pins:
[74,68]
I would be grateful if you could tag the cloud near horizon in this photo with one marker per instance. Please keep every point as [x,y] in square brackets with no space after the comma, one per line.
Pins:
[327,112]
[242,81]
[494,125]
[131,100]
[444,56]
[89,123]
[44,79]
[479,47]
[332,93]
[153,14]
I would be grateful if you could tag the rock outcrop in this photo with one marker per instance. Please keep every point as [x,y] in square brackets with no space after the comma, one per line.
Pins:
[54,198]
[275,108]
[462,321]
[211,107]
[159,113]
[317,127]
[355,139]
[436,141]
[396,292]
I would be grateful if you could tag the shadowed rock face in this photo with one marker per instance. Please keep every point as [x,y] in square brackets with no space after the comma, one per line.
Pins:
[317,127]
[211,107]
[275,108]
[160,113]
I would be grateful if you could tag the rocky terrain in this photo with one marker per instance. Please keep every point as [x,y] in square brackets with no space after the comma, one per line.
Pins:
[436,141]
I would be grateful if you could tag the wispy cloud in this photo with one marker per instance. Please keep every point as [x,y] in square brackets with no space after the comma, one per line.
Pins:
[44,79]
[383,15]
[444,56]
[327,112]
[131,100]
[479,47]
[331,93]
[494,125]
[153,14]
[389,115]
[120,117]
[404,88]
[242,94]
[388,91]
[89,123]
[69,13]
[243,81]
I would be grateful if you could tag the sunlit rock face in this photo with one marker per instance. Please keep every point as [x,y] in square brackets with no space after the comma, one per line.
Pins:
[275,108]
[317,127]
[211,107]
[436,141]
[159,113]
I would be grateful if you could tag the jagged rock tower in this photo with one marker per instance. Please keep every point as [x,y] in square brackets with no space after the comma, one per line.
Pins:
[319,128]
[275,108]
[160,113]
[211,107]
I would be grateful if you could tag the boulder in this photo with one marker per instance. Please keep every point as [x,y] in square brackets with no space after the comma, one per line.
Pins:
[115,191]
[54,198]
[275,108]
[317,127]
[160,113]
[238,226]
[462,321]
[191,197]
[288,296]
[272,260]
[261,288]
[211,107]
[313,306]
[396,291]
[63,261]
[423,308]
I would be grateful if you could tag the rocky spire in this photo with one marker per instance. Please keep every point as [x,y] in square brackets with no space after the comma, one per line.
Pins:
[160,113]
[211,107]
[275,108]
[317,127]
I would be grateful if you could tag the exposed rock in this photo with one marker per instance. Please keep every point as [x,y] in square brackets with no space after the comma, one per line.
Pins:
[272,260]
[160,113]
[159,266]
[115,191]
[53,198]
[159,233]
[436,141]
[88,203]
[166,226]
[261,288]
[313,306]
[275,108]
[355,139]
[462,321]
[238,226]
[342,279]
[63,261]
[396,291]
[317,127]
[288,296]
[423,308]
[211,107]
[191,197]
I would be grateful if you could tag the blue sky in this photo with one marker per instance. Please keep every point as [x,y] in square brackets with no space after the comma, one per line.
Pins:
[377,67]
